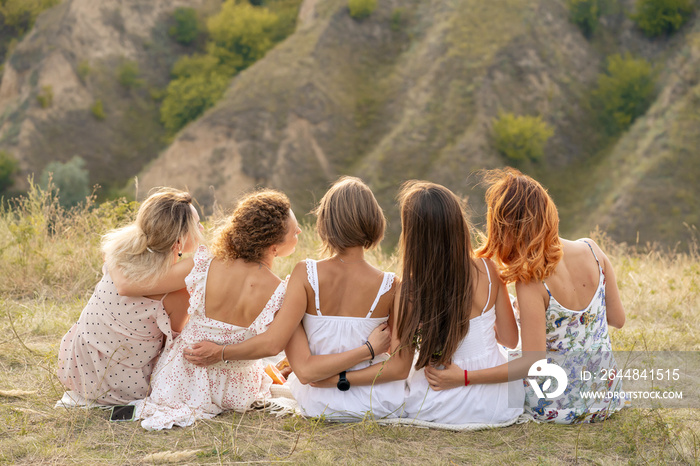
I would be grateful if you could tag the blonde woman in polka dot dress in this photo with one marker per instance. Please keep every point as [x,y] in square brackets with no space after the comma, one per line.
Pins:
[107,357]
[234,296]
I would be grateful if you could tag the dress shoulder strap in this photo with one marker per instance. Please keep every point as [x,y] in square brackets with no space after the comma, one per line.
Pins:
[488,274]
[592,251]
[387,283]
[312,276]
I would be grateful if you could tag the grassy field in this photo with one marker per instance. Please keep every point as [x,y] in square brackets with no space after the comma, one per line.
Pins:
[50,261]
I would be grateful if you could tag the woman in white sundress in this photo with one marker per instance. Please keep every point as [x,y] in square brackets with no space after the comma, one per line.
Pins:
[234,297]
[344,299]
[456,309]
[568,298]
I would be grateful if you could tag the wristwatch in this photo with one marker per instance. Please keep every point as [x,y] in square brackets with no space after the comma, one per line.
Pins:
[343,383]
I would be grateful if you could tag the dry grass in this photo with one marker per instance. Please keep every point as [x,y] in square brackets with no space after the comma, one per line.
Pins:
[49,262]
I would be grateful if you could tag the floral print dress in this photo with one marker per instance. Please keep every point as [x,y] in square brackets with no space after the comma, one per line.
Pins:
[581,345]
[182,392]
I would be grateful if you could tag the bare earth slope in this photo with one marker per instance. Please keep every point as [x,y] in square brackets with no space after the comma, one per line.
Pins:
[408,92]
[76,50]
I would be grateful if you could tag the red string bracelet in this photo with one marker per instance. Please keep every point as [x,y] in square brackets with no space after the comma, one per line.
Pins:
[466,379]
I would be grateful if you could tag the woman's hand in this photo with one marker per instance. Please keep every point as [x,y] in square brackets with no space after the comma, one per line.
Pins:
[442,379]
[380,339]
[204,353]
[330,382]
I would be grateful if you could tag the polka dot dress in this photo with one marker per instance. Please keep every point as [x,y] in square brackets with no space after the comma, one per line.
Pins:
[182,392]
[109,354]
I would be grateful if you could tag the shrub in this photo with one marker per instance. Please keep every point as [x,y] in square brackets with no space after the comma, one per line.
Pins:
[521,137]
[69,180]
[624,92]
[83,69]
[360,9]
[128,74]
[657,17]
[45,97]
[240,35]
[8,169]
[186,27]
[585,14]
[189,97]
[98,110]
[20,15]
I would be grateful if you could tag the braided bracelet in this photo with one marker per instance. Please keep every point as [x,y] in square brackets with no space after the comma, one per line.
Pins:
[371,350]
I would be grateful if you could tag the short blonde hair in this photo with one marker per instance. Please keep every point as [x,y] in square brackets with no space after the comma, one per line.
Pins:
[522,225]
[143,250]
[259,221]
[348,216]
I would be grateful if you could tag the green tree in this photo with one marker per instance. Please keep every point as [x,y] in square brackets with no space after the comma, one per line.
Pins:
[624,92]
[20,15]
[360,9]
[521,137]
[70,180]
[186,27]
[190,96]
[240,35]
[585,14]
[8,169]
[657,17]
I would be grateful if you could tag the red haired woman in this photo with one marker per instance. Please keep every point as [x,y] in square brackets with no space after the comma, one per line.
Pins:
[567,295]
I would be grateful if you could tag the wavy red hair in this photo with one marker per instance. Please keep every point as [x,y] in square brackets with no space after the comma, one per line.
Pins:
[522,224]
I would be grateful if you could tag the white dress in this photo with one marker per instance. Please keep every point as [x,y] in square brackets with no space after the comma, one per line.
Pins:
[473,404]
[335,334]
[182,392]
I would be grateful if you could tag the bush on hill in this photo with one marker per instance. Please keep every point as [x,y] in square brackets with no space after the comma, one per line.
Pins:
[658,17]
[69,180]
[521,137]
[186,27]
[360,9]
[624,92]
[585,14]
[8,169]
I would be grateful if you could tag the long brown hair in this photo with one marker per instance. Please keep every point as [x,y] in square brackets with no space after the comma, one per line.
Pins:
[522,225]
[436,267]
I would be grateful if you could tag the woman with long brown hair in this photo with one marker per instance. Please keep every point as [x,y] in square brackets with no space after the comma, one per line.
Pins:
[567,296]
[455,309]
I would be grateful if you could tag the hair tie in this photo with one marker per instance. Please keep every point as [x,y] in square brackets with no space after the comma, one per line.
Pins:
[149,249]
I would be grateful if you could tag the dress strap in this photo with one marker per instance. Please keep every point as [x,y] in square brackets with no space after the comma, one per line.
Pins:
[488,274]
[312,276]
[591,248]
[387,283]
[547,288]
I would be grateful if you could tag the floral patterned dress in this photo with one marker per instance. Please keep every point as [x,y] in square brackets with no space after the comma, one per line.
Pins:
[581,345]
[182,392]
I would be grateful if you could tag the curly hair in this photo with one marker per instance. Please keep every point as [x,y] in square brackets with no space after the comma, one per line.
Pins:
[348,216]
[522,225]
[259,221]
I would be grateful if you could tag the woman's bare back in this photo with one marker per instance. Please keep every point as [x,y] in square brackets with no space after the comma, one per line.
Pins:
[237,291]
